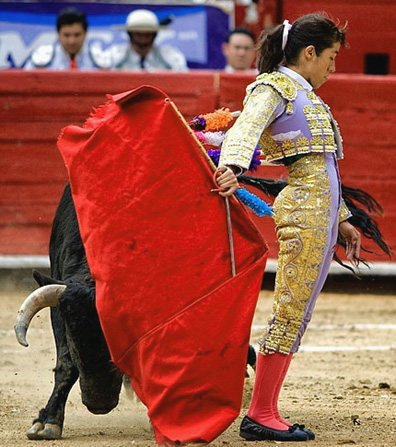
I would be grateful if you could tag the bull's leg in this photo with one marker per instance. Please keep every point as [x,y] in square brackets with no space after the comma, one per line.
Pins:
[49,424]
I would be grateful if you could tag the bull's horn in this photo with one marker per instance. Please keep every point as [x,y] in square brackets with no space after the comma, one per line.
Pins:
[46,296]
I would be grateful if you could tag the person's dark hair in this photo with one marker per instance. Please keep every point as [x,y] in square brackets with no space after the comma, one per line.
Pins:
[69,16]
[311,29]
[244,31]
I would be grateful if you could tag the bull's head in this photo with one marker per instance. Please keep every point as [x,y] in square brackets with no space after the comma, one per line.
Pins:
[46,296]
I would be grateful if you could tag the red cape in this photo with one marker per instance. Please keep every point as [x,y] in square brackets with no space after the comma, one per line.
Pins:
[156,241]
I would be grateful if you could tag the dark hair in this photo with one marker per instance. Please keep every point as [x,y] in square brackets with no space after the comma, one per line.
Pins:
[69,16]
[244,31]
[311,29]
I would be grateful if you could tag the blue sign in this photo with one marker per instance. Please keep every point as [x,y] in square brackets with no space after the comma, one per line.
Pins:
[197,31]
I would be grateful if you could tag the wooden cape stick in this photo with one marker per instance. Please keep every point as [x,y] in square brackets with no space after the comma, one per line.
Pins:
[214,168]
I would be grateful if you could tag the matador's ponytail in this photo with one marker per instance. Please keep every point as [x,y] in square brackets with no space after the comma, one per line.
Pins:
[270,53]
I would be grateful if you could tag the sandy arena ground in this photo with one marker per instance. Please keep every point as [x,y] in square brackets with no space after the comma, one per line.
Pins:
[342,384]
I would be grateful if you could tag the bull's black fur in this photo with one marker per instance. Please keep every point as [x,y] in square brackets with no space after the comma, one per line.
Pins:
[353,197]
[81,347]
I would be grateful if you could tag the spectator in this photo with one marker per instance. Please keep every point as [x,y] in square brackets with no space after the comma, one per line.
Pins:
[142,27]
[70,51]
[239,50]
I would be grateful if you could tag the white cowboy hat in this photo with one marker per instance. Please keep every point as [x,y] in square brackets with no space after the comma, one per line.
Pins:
[143,21]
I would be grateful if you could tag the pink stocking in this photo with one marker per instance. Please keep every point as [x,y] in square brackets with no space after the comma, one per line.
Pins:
[282,376]
[270,374]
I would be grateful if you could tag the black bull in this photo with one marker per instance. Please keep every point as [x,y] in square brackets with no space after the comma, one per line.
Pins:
[82,352]
[80,344]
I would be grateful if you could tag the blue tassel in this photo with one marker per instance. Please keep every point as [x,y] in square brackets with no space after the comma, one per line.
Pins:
[253,202]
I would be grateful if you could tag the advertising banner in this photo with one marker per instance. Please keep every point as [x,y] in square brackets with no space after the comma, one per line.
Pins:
[196,30]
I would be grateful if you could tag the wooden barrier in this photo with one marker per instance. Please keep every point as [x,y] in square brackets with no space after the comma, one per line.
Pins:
[35,106]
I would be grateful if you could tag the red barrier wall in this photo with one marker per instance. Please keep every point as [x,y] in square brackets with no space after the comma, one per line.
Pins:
[34,106]
[371,28]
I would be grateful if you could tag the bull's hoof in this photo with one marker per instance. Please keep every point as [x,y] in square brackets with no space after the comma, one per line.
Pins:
[41,431]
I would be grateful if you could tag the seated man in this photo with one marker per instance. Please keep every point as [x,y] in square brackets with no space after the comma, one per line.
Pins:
[70,51]
[142,27]
[239,50]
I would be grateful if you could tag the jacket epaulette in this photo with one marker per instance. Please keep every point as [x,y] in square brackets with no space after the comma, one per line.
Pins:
[283,84]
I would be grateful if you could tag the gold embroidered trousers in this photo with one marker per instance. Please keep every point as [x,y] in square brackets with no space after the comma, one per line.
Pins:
[306,216]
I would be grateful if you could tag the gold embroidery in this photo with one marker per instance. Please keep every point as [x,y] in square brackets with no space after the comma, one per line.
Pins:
[287,145]
[314,127]
[317,141]
[289,108]
[302,142]
[329,140]
[302,218]
[283,84]
[320,109]
[313,97]
[344,212]
[309,110]
[243,137]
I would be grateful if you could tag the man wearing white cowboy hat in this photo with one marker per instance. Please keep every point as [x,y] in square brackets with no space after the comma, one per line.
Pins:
[142,27]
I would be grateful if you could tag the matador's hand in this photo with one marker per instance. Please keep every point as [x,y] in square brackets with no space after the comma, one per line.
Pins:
[352,239]
[227,180]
